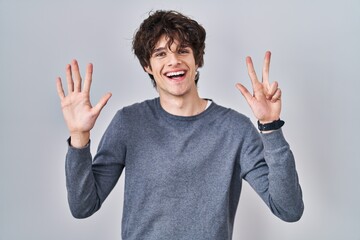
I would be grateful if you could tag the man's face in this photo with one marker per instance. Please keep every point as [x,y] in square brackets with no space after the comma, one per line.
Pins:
[173,69]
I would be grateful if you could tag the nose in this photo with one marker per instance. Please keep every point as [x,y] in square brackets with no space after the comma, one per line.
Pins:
[174,59]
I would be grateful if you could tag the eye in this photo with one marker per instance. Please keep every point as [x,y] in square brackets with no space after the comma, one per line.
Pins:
[184,50]
[160,54]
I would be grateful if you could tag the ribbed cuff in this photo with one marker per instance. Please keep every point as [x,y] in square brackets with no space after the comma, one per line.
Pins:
[74,148]
[274,140]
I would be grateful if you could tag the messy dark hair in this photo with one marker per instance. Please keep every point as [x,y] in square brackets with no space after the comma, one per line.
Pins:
[176,27]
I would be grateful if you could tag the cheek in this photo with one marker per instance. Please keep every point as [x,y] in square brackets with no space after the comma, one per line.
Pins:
[156,68]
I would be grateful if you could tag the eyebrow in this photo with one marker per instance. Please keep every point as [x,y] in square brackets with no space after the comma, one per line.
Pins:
[164,48]
[158,49]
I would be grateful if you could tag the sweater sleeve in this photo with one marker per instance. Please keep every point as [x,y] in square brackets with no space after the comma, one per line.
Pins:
[269,167]
[89,181]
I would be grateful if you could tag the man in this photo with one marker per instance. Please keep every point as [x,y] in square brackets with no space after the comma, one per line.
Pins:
[184,156]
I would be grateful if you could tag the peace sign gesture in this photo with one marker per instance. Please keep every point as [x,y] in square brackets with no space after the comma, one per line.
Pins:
[265,102]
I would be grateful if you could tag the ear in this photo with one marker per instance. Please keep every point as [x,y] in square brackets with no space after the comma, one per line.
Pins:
[148,70]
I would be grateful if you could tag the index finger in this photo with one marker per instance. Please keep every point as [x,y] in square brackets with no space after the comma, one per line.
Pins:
[251,72]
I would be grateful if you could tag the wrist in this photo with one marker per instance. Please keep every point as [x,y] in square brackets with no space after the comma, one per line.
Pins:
[267,127]
[270,120]
[79,139]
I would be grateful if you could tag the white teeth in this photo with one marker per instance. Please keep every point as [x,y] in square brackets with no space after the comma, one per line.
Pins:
[175,73]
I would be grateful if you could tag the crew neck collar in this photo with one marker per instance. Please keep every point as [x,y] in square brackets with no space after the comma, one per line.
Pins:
[208,109]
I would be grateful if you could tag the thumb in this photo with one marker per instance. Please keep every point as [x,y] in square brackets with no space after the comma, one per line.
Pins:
[247,95]
[99,106]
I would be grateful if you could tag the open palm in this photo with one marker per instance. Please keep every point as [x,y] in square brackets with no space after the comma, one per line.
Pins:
[80,116]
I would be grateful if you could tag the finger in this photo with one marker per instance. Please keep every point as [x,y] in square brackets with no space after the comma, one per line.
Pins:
[247,95]
[70,82]
[59,88]
[266,68]
[276,96]
[272,89]
[88,78]
[76,75]
[251,72]
[99,106]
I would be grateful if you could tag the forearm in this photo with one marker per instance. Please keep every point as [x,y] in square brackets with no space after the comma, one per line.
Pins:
[285,195]
[80,182]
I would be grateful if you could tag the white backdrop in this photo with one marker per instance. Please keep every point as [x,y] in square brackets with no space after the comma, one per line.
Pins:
[315,46]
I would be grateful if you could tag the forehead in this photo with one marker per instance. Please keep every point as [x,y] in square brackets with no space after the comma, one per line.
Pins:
[165,42]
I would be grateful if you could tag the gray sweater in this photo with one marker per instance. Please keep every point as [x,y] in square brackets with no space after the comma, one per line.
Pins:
[183,175]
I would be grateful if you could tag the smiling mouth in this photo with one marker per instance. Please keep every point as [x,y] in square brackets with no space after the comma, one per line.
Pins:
[175,75]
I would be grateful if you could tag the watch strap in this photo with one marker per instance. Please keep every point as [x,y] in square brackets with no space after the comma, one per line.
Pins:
[277,124]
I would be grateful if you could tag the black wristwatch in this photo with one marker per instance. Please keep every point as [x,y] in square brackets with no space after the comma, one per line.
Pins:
[271,126]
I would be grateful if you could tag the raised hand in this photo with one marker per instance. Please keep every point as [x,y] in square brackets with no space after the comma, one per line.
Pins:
[265,102]
[79,114]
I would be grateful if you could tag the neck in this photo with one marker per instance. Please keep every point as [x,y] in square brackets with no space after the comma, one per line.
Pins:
[183,106]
